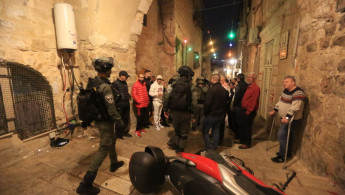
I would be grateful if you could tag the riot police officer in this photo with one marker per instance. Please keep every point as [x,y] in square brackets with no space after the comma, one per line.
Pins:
[179,103]
[199,92]
[105,124]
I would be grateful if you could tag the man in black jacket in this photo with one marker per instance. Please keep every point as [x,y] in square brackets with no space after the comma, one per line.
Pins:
[239,93]
[122,104]
[214,109]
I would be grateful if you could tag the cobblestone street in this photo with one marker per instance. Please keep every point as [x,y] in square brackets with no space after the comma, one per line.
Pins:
[59,171]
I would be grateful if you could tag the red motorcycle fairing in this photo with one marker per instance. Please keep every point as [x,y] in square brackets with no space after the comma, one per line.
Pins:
[188,180]
[238,182]
[205,165]
[257,181]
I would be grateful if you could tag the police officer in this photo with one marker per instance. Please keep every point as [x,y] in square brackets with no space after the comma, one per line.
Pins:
[179,103]
[199,92]
[105,125]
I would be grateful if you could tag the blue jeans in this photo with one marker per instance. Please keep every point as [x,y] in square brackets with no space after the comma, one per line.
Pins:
[212,122]
[282,136]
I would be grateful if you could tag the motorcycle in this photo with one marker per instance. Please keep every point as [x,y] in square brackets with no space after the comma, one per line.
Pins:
[204,173]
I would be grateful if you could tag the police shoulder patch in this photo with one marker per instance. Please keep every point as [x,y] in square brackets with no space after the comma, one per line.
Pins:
[109,98]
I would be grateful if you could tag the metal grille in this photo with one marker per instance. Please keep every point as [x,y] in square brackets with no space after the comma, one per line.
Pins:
[26,101]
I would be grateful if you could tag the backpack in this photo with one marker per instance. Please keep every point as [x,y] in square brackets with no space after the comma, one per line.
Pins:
[91,106]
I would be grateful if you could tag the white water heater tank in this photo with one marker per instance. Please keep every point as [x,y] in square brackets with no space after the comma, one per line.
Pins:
[65,29]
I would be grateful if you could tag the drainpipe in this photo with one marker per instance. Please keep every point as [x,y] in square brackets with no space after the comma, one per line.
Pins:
[296,41]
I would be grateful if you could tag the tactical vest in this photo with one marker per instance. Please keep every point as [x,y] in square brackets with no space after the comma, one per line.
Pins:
[181,95]
[201,93]
[122,88]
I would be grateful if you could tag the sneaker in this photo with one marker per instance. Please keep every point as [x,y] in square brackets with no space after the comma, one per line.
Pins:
[161,126]
[143,131]
[165,124]
[172,146]
[128,135]
[278,159]
[137,133]
[158,128]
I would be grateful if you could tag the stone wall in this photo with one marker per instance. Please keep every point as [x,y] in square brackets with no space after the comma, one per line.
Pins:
[186,28]
[315,57]
[156,50]
[320,66]
[104,27]
[153,50]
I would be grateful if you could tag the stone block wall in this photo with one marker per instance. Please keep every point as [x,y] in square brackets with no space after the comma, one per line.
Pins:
[315,57]
[156,49]
[104,28]
[186,28]
[320,66]
[153,49]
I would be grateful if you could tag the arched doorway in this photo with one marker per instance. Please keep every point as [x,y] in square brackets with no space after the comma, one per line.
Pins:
[26,101]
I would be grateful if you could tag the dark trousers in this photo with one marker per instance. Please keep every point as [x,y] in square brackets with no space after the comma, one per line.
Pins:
[222,129]
[149,111]
[245,123]
[212,122]
[141,114]
[181,123]
[106,146]
[124,112]
[233,123]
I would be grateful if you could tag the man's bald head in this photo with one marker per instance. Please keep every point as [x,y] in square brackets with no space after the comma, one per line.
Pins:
[215,78]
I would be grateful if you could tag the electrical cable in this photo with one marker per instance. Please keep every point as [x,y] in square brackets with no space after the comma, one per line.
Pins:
[65,90]
[164,36]
[73,75]
[217,7]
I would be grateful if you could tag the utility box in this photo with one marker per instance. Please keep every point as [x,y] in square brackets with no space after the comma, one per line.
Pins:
[66,32]
[253,36]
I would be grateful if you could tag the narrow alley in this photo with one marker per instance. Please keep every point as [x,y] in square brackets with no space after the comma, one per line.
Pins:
[59,171]
[84,80]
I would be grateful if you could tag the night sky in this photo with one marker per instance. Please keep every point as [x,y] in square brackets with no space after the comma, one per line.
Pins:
[219,16]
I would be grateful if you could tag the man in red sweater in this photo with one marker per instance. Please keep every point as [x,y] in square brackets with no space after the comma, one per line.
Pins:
[141,102]
[249,104]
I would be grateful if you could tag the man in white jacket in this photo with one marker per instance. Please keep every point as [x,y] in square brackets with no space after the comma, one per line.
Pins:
[156,91]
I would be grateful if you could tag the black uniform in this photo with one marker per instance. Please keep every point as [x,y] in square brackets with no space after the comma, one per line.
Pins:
[150,106]
[179,101]
[122,106]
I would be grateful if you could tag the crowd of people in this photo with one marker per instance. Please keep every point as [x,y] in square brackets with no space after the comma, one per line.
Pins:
[202,106]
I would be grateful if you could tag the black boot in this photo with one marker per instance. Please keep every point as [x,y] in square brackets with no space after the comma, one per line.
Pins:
[115,166]
[86,187]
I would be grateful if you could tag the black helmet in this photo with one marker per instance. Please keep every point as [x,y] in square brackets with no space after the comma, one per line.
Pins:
[201,80]
[103,64]
[185,71]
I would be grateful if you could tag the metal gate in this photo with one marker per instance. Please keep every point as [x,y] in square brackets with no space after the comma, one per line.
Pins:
[26,101]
